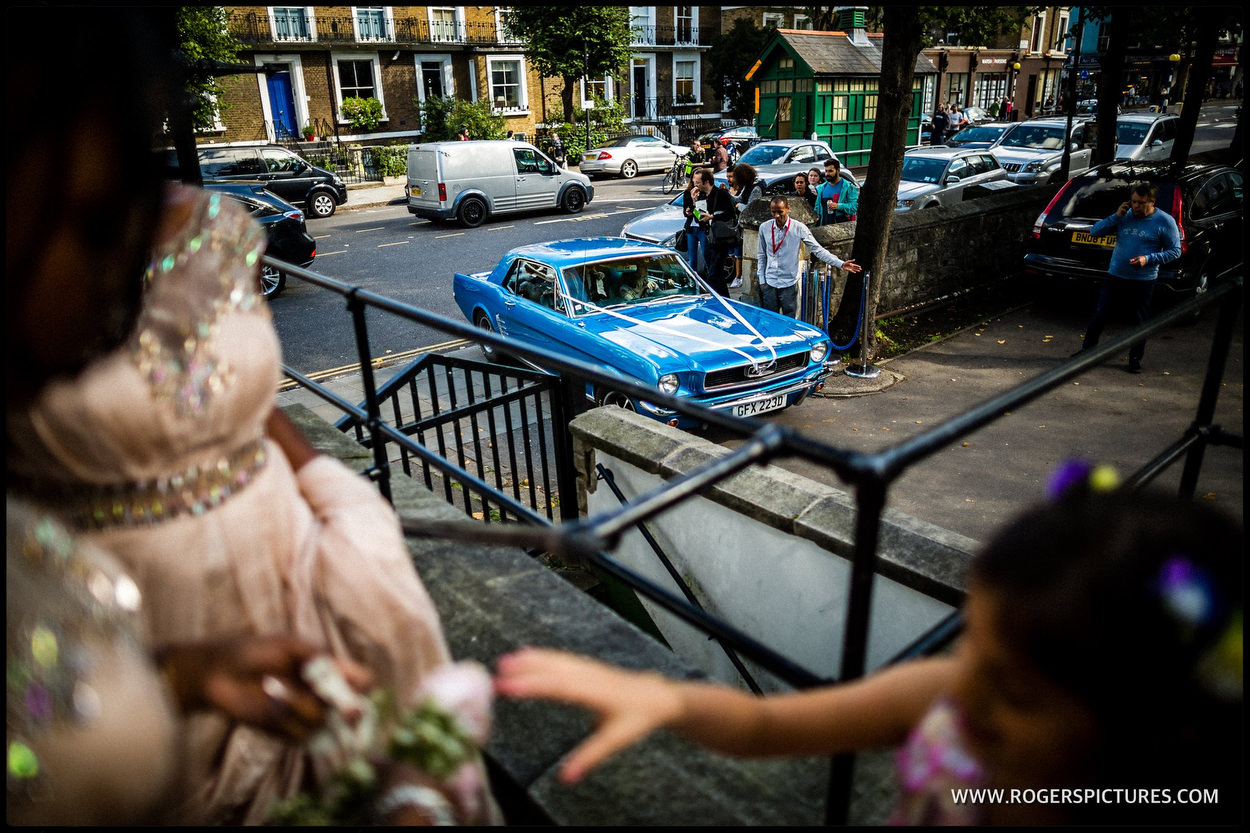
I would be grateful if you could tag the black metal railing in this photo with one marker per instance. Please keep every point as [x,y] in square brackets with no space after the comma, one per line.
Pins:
[870,474]
[254,29]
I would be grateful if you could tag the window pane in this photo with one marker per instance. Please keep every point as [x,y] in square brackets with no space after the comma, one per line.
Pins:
[356,79]
[289,23]
[505,84]
[371,22]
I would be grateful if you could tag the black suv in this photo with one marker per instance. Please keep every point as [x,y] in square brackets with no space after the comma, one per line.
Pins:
[1205,201]
[282,172]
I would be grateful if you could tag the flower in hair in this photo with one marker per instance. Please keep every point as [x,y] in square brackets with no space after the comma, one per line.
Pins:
[1075,474]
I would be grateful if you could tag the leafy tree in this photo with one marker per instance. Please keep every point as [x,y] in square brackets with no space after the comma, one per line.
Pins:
[730,59]
[573,42]
[904,30]
[442,118]
[362,113]
[205,42]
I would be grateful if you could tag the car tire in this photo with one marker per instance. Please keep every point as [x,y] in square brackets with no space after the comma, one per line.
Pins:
[629,169]
[1201,284]
[616,399]
[573,201]
[322,204]
[482,322]
[272,281]
[472,212]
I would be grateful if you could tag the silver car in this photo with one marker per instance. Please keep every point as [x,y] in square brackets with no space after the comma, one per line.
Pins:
[1032,151]
[778,161]
[935,176]
[659,225]
[629,156]
[1145,137]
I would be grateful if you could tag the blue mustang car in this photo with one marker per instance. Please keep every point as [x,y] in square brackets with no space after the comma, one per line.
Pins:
[637,309]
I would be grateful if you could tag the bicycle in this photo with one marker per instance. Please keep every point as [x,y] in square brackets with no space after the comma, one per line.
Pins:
[677,175]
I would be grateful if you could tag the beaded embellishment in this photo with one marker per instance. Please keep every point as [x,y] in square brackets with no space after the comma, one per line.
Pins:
[175,348]
[47,662]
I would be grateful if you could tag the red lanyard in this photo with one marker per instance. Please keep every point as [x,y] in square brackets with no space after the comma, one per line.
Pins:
[777,244]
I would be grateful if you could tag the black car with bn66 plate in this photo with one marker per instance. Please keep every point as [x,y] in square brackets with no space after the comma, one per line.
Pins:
[1205,201]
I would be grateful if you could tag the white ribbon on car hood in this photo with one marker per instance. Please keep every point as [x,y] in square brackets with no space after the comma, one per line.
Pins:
[754,362]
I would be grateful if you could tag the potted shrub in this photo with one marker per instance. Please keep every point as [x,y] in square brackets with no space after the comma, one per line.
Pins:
[310,133]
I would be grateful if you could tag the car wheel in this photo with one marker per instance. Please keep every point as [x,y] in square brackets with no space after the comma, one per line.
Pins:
[482,321]
[573,201]
[271,281]
[472,212]
[629,169]
[616,399]
[1201,284]
[322,205]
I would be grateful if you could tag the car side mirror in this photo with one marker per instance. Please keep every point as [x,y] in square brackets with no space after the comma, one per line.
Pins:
[951,179]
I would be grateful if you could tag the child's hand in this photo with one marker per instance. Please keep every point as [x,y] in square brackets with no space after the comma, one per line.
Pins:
[630,705]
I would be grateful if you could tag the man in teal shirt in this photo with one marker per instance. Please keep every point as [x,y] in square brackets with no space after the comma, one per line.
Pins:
[1145,237]
[837,198]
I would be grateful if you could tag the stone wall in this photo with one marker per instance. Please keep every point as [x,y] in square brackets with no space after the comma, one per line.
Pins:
[933,253]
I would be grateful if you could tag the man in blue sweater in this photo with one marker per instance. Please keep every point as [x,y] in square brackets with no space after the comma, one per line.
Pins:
[1144,238]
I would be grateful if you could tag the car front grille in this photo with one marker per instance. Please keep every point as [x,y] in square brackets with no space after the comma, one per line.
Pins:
[1012,167]
[745,374]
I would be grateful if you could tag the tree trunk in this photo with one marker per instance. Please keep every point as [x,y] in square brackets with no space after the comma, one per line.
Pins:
[1111,88]
[899,49]
[566,98]
[1199,72]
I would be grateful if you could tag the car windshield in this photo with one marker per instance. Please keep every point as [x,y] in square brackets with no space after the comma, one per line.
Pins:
[1096,197]
[1131,134]
[921,169]
[976,134]
[764,155]
[615,283]
[1034,136]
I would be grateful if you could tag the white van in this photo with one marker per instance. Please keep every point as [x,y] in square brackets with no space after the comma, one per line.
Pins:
[470,181]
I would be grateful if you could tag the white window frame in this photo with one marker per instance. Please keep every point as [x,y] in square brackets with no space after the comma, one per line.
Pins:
[776,19]
[297,89]
[802,21]
[501,36]
[449,78]
[310,21]
[609,91]
[642,17]
[694,26]
[522,83]
[335,59]
[388,24]
[1037,39]
[458,36]
[692,57]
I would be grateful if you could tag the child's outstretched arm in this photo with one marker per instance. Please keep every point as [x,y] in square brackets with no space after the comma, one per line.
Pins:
[875,711]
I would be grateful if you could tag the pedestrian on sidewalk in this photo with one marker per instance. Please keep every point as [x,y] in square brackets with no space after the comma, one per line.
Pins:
[778,257]
[1145,238]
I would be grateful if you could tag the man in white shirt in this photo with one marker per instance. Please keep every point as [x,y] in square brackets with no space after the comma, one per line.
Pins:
[778,257]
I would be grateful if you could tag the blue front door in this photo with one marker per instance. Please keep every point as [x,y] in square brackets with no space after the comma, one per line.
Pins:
[282,103]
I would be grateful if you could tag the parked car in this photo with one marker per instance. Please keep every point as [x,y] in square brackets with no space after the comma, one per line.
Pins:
[659,225]
[289,240]
[629,156]
[1205,201]
[935,176]
[1032,150]
[471,181]
[977,115]
[282,173]
[637,310]
[778,160]
[743,137]
[1145,136]
[979,135]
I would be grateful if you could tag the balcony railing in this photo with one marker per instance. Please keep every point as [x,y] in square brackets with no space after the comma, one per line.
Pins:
[253,28]
[670,36]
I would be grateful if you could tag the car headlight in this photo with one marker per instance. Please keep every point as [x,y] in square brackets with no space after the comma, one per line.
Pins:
[904,204]
[670,242]
[819,351]
[668,384]
[1033,166]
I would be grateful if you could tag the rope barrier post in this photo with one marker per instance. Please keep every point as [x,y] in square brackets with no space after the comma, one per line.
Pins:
[863,370]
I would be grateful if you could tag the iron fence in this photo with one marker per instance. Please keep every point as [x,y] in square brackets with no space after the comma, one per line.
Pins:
[870,475]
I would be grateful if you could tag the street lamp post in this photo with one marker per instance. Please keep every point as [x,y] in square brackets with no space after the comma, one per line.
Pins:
[1015,73]
[1173,60]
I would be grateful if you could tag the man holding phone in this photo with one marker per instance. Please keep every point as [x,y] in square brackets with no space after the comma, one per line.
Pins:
[1145,238]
